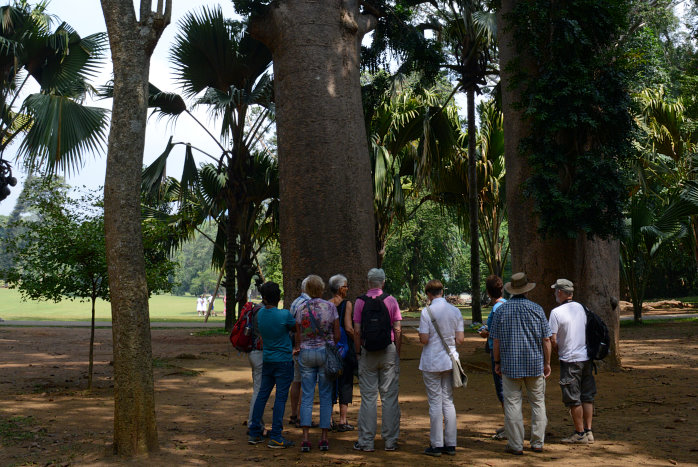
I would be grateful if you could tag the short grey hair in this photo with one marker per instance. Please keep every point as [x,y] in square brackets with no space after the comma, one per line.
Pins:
[376,277]
[336,282]
[304,285]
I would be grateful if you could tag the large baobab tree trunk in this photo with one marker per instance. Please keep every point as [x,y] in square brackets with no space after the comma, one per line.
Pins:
[593,266]
[326,202]
[132,42]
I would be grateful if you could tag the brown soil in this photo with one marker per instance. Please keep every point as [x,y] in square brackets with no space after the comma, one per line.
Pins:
[645,414]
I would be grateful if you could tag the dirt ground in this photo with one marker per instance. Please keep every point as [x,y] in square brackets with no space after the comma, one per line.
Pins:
[645,414]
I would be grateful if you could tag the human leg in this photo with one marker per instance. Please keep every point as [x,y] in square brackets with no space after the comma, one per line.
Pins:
[535,390]
[309,364]
[389,388]
[587,396]
[368,384]
[325,389]
[513,418]
[256,362]
[432,385]
[295,390]
[449,410]
[283,375]
[268,381]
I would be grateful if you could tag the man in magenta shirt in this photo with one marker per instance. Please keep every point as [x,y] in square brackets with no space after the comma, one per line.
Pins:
[377,338]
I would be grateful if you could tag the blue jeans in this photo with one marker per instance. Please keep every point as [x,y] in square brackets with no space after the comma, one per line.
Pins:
[279,374]
[497,380]
[312,364]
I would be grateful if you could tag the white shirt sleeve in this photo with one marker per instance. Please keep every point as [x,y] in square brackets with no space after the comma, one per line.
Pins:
[424,322]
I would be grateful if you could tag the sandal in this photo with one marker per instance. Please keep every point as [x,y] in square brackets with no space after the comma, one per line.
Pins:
[295,421]
[345,427]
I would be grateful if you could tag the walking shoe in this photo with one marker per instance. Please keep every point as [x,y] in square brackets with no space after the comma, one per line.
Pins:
[434,452]
[345,427]
[449,450]
[590,436]
[391,447]
[500,435]
[280,444]
[305,446]
[324,445]
[575,438]
[513,451]
[358,447]
[255,439]
[537,448]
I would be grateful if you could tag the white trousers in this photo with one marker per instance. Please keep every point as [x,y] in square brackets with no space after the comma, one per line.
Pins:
[442,412]
[513,417]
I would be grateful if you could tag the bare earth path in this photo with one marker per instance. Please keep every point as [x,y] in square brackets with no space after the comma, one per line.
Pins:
[646,414]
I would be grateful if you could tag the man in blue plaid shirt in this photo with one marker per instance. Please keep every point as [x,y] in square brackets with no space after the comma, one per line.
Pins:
[522,357]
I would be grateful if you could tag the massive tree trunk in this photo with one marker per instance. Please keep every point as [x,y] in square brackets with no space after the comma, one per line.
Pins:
[326,201]
[473,210]
[593,265]
[132,43]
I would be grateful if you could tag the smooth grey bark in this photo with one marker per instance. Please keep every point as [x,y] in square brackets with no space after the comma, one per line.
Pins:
[132,42]
[326,196]
[592,265]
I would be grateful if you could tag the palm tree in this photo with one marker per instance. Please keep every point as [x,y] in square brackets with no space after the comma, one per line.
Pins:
[468,31]
[221,67]
[52,124]
[650,222]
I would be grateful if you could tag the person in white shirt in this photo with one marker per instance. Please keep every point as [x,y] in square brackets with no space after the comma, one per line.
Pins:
[200,307]
[568,325]
[436,366]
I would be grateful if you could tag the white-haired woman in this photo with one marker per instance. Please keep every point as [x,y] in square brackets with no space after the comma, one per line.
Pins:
[312,332]
[345,383]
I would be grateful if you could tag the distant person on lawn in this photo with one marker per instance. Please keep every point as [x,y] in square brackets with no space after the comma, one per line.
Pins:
[568,324]
[274,325]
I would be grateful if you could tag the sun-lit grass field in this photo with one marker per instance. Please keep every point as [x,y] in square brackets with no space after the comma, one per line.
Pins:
[162,308]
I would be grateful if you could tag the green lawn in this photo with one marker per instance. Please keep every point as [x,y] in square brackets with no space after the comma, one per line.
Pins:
[162,308]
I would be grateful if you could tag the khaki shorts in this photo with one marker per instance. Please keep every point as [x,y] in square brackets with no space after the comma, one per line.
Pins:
[577,383]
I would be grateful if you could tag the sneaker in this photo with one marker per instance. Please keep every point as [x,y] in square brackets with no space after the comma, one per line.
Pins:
[590,436]
[537,448]
[500,435]
[434,452]
[255,439]
[575,438]
[448,450]
[305,446]
[324,445]
[345,427]
[358,447]
[391,447]
[280,444]
[513,451]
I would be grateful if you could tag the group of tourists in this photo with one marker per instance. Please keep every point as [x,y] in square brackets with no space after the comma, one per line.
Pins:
[295,346]
[203,303]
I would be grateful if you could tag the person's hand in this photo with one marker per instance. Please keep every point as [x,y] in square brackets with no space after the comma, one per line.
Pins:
[296,351]
[546,370]
[484,333]
[498,369]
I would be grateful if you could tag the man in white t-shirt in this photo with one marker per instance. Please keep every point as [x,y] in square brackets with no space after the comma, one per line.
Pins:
[568,325]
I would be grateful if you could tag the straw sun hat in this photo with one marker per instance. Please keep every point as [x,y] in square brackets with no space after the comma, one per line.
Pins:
[519,284]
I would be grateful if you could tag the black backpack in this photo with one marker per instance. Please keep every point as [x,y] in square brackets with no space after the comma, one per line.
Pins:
[598,339]
[376,327]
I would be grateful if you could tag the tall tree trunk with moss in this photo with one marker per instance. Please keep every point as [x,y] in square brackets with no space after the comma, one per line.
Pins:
[593,265]
[132,42]
[326,201]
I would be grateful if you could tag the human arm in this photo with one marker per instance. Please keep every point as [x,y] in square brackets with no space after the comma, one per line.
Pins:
[553,342]
[297,340]
[337,333]
[348,320]
[397,331]
[546,356]
[358,307]
[460,337]
[497,362]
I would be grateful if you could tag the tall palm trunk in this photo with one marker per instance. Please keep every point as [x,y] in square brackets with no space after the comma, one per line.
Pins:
[92,343]
[473,210]
[132,42]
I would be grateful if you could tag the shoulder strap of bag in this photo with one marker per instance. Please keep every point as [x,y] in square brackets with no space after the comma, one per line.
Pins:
[314,322]
[438,331]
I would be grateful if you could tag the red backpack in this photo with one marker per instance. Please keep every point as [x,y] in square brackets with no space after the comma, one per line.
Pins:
[242,340]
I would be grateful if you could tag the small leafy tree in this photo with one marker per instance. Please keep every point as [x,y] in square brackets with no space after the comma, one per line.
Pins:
[60,253]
